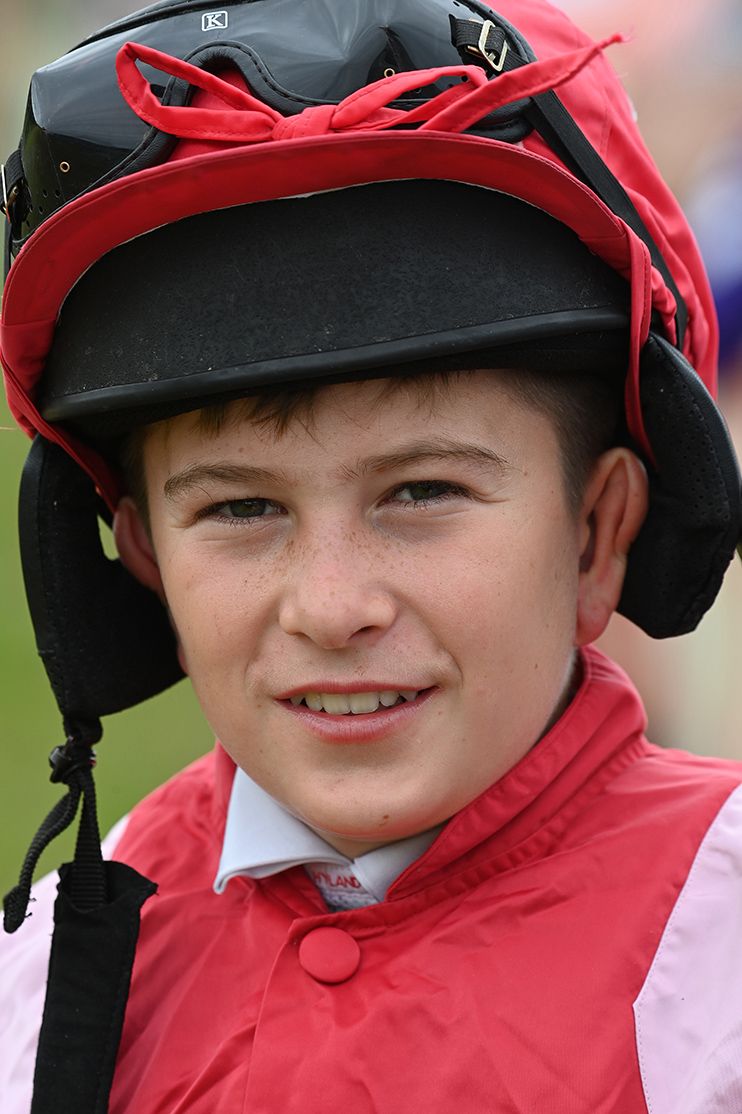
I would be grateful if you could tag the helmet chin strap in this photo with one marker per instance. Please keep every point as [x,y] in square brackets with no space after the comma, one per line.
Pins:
[96,926]
[97,910]
[72,764]
[58,519]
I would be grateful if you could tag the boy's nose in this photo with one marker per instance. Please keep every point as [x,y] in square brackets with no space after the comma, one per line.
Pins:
[336,598]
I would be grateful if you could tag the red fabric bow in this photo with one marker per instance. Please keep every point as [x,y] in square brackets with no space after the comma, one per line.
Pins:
[245,119]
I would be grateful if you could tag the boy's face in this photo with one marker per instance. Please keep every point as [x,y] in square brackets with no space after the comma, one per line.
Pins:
[385,546]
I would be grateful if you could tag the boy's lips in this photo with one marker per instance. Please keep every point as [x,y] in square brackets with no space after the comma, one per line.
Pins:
[347,688]
[356,727]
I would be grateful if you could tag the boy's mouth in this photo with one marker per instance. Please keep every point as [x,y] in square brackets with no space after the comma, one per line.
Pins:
[354,703]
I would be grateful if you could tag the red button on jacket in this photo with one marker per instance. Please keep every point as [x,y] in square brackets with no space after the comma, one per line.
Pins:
[329,955]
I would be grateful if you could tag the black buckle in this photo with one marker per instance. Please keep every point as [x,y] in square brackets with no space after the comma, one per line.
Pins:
[65,760]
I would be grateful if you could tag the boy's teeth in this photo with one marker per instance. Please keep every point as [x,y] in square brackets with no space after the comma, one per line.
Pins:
[336,703]
[363,702]
[356,703]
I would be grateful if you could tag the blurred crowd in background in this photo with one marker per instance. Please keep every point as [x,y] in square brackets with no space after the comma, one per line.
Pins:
[682,70]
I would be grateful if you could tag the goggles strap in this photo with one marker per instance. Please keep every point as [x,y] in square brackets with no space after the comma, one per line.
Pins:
[13,203]
[641,316]
[13,176]
[551,120]
[484,41]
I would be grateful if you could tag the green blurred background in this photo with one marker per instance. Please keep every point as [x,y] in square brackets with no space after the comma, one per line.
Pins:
[688,112]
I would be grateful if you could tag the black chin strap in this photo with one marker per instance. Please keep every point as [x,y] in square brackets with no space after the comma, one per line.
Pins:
[96,926]
[96,913]
[72,765]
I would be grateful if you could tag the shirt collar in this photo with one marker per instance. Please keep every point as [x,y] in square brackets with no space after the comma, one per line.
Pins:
[262,838]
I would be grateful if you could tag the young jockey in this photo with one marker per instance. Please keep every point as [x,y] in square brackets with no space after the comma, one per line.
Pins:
[374,331]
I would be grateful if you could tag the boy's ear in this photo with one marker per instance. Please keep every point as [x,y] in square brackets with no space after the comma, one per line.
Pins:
[613,510]
[135,546]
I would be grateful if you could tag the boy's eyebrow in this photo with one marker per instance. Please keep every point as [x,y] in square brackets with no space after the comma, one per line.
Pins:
[436,449]
[418,452]
[196,475]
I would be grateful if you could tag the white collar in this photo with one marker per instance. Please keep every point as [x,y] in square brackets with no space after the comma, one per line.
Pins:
[262,838]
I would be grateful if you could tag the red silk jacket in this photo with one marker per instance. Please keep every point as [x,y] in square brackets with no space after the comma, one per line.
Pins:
[499,974]
[569,943]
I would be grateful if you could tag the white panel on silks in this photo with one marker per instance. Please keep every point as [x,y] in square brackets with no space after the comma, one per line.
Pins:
[24,962]
[689,1013]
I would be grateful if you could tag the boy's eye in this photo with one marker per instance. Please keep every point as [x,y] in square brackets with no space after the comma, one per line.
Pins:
[426,491]
[419,493]
[245,508]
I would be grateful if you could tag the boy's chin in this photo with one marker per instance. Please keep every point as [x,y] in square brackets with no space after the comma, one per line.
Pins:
[352,837]
[349,846]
